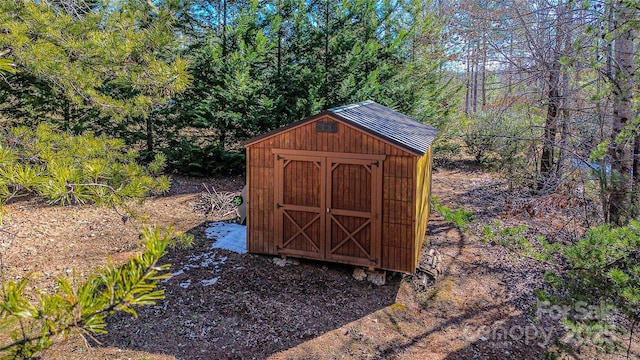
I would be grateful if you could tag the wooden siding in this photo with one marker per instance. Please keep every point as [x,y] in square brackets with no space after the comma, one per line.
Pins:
[398,214]
[399,175]
[423,204]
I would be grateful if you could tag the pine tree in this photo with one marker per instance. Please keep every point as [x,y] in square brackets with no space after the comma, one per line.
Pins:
[34,323]
[66,169]
[111,55]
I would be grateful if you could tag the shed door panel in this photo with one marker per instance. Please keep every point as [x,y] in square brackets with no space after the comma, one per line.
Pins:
[353,191]
[300,206]
[329,208]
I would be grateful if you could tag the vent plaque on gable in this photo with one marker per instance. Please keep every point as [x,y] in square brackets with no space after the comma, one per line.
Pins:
[327,127]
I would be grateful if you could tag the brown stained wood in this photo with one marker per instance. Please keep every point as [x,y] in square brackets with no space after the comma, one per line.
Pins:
[259,156]
[391,258]
[250,209]
[391,209]
[299,207]
[285,140]
[393,167]
[388,188]
[360,142]
[406,189]
[259,239]
[252,157]
[267,178]
[391,233]
[299,137]
[398,199]
[325,141]
[408,239]
[346,145]
[384,145]
[276,143]
[307,136]
[270,211]
[385,210]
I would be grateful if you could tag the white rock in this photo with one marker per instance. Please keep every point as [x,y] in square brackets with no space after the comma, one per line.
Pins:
[280,262]
[377,278]
[359,274]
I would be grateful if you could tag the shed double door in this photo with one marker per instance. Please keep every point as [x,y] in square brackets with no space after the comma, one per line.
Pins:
[329,207]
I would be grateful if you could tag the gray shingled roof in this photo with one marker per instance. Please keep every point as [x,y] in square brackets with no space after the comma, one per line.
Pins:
[389,124]
[375,119]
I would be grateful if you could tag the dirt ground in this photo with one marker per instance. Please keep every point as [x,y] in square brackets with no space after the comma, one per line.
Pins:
[243,306]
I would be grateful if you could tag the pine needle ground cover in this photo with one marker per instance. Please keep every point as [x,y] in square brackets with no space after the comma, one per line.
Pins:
[311,310]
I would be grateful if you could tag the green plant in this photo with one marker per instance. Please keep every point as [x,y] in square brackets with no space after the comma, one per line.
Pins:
[33,322]
[505,142]
[460,217]
[108,58]
[6,65]
[604,270]
[595,277]
[181,241]
[66,169]
[515,239]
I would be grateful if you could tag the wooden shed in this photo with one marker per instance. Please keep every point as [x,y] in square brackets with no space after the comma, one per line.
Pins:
[348,185]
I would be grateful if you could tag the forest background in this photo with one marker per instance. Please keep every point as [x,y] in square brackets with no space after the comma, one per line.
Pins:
[537,90]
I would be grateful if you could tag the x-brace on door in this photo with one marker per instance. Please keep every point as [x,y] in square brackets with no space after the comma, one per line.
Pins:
[329,207]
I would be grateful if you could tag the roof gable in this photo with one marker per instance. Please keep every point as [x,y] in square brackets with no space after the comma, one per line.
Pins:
[389,124]
[377,120]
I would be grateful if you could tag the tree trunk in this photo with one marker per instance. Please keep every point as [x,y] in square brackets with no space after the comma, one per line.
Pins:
[547,159]
[564,129]
[224,29]
[483,86]
[566,91]
[635,169]
[619,150]
[326,46]
[474,100]
[510,69]
[467,98]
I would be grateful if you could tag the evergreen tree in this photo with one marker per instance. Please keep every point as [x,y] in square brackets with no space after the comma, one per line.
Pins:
[110,54]
[34,323]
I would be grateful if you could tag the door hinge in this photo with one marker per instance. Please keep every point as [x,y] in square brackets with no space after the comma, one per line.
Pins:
[278,206]
[278,157]
[377,163]
[278,247]
[375,261]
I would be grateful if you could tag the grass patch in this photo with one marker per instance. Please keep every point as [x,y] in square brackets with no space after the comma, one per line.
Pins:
[460,217]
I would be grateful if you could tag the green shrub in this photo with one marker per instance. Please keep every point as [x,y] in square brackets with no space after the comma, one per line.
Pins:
[505,142]
[189,158]
[594,277]
[66,169]
[34,321]
[460,217]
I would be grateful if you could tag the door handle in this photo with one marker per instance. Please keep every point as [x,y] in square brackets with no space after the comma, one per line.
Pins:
[327,210]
